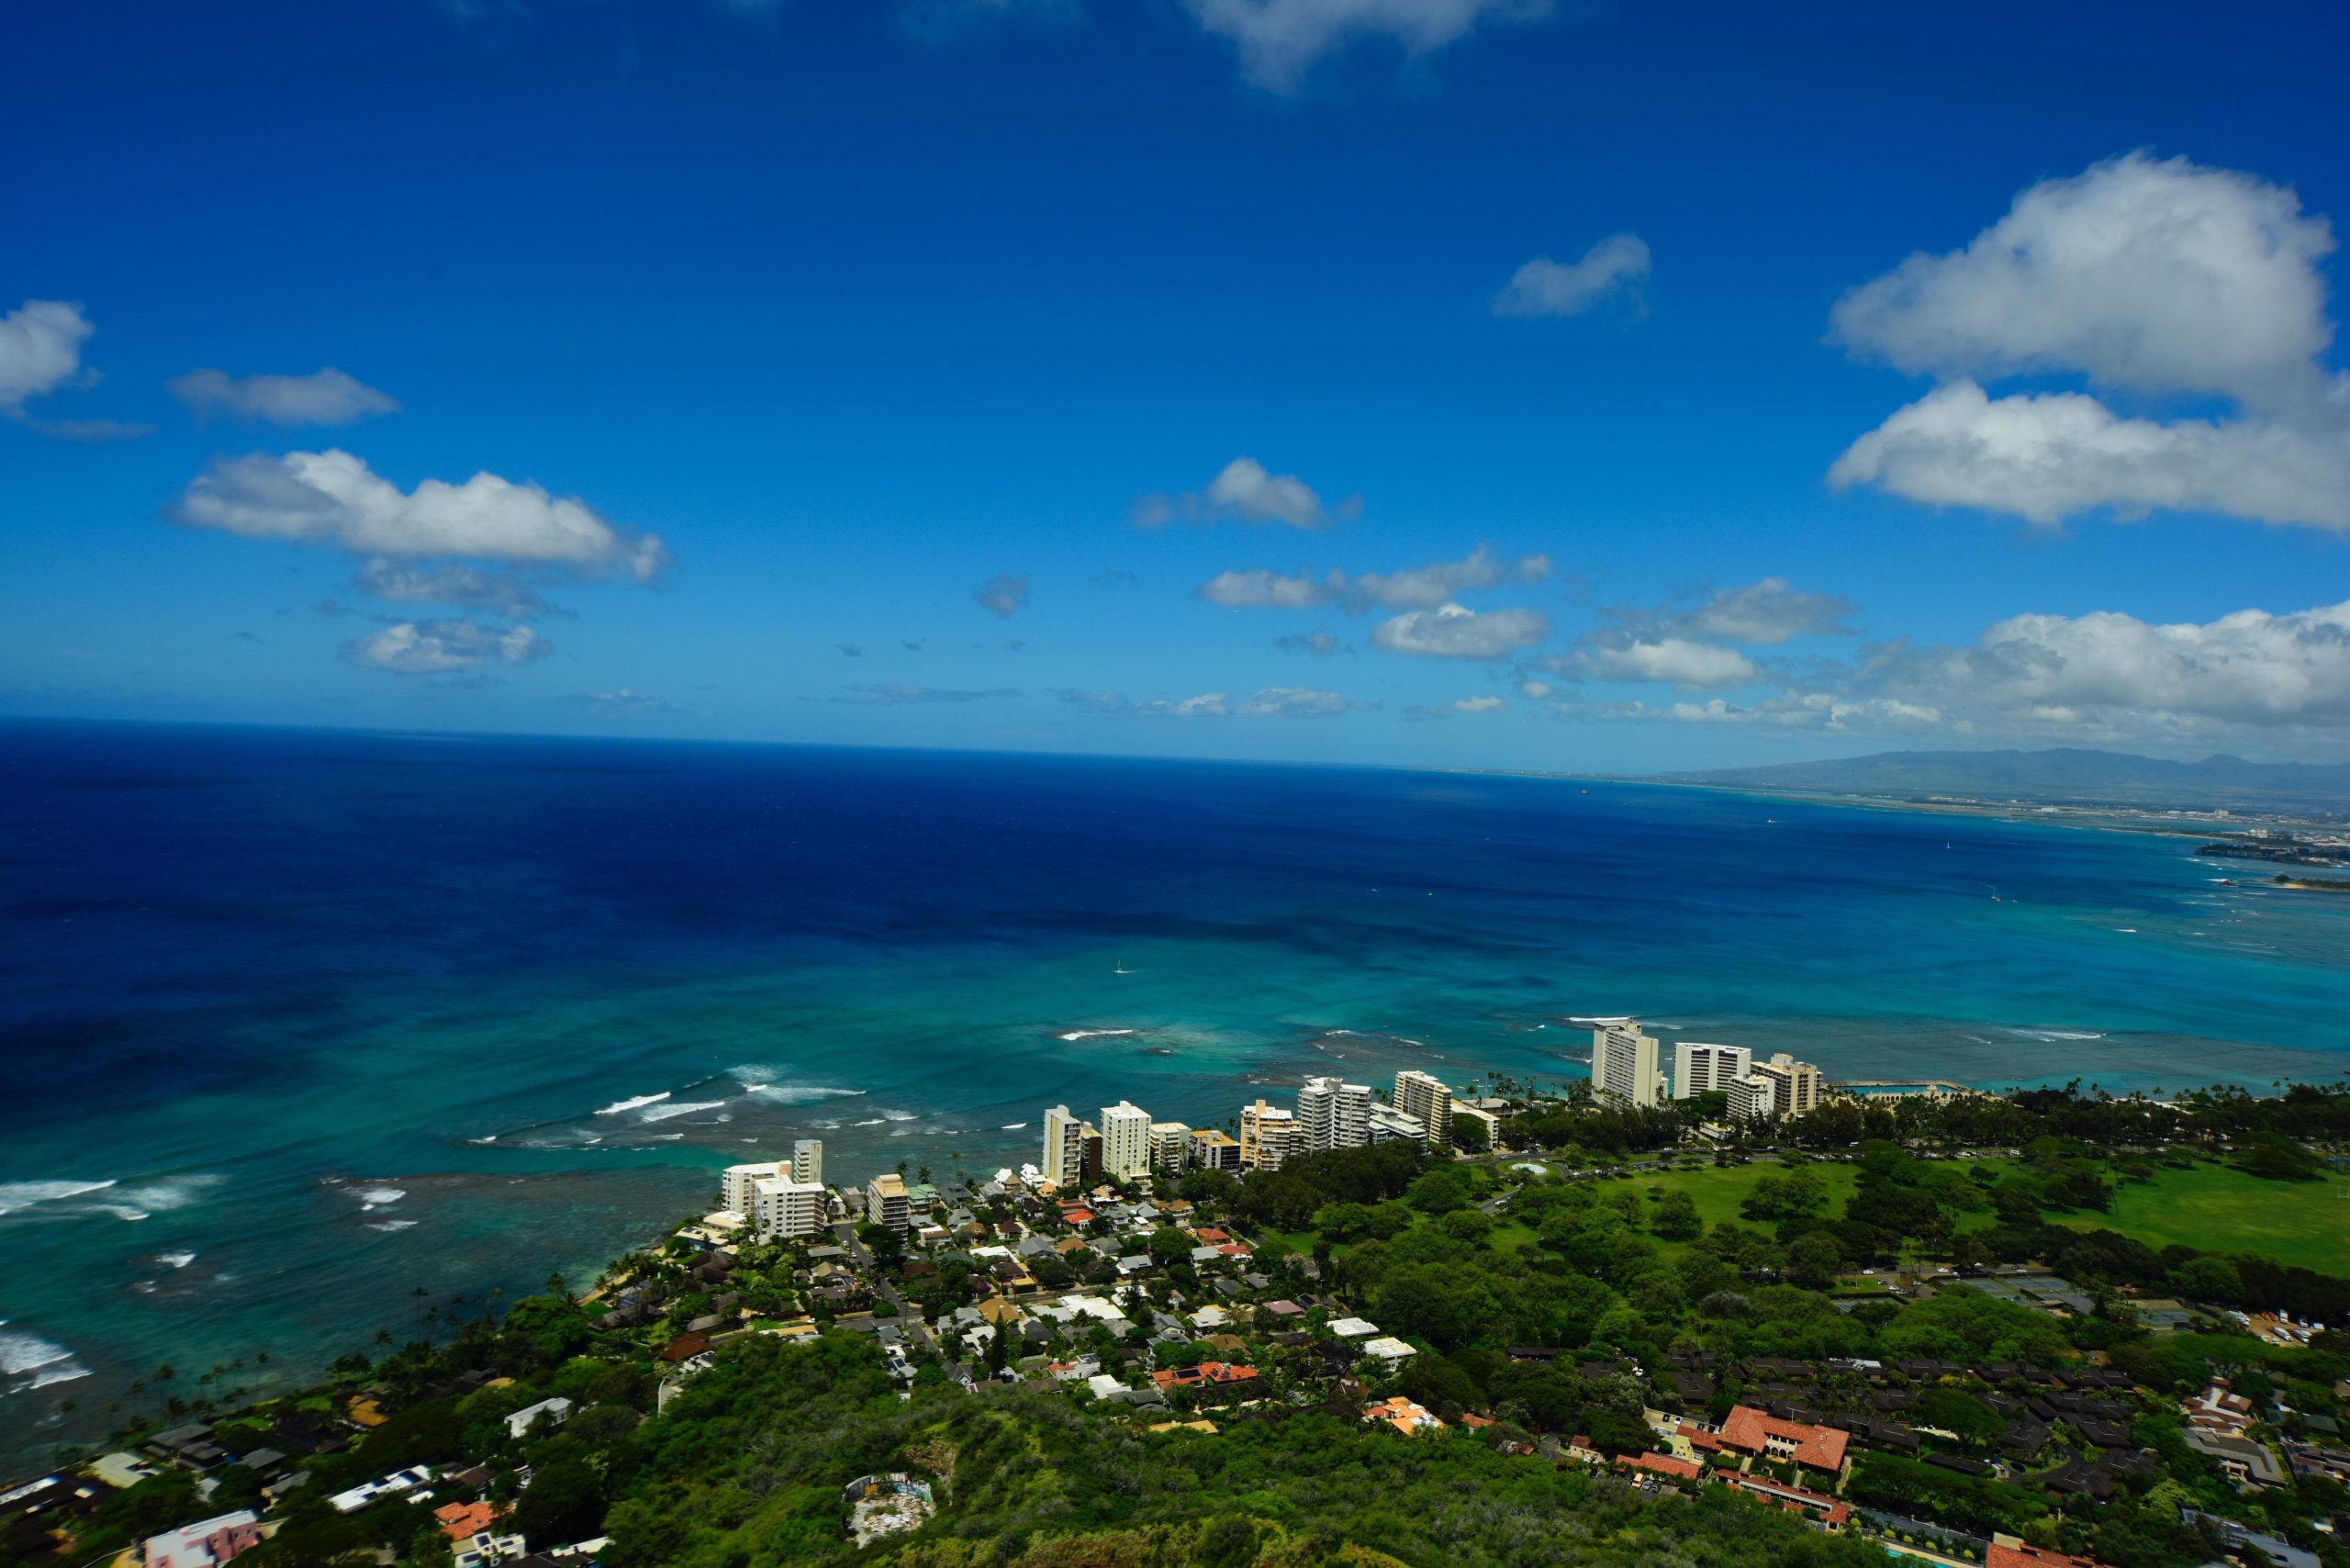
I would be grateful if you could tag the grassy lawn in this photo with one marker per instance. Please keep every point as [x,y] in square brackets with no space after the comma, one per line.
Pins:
[1719,1192]
[2218,1209]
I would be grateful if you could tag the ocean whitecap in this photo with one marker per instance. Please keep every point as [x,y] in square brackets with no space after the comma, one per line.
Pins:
[638,1103]
[662,1112]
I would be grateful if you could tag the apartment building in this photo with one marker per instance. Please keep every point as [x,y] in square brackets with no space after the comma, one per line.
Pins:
[1387,1124]
[808,1161]
[1623,1064]
[1334,1114]
[1424,1098]
[1268,1135]
[1125,1140]
[783,1207]
[886,1202]
[1063,1159]
[1213,1148]
[1171,1146]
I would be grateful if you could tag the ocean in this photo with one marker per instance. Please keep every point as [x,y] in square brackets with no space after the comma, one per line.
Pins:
[314,1035]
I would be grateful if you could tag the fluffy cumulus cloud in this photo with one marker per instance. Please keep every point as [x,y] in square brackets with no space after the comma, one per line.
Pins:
[1417,587]
[40,350]
[1458,707]
[1279,41]
[2150,279]
[331,498]
[1455,632]
[2048,456]
[1003,594]
[2121,674]
[1674,661]
[445,648]
[451,582]
[1613,269]
[1765,614]
[1247,490]
[325,398]
[2253,676]
[624,701]
[1298,703]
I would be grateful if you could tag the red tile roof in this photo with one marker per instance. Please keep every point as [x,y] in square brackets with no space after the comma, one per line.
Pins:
[1821,1447]
[2030,1557]
[1662,1464]
[1206,1371]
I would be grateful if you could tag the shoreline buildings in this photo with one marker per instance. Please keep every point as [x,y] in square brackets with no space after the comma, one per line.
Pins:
[1780,1086]
[1424,1097]
[1334,1114]
[1623,1064]
[1700,1068]
[1125,1140]
[1268,1135]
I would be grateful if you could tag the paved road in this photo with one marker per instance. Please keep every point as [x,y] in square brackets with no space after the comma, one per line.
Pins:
[908,1317]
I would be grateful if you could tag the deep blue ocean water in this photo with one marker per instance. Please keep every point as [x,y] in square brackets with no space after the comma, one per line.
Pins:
[300,1023]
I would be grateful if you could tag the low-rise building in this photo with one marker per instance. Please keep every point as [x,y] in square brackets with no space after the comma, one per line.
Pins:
[207,1543]
[1752,1431]
[1213,1148]
[553,1412]
[1406,1415]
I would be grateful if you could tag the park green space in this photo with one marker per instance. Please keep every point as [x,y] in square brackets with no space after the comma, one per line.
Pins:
[2216,1208]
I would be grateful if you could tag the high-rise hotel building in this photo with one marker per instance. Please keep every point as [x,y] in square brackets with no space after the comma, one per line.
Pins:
[1623,1064]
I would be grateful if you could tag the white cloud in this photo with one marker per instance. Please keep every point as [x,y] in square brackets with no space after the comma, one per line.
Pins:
[1615,267]
[1297,702]
[1461,705]
[2153,276]
[2103,676]
[2047,456]
[40,350]
[1766,613]
[1246,489]
[1675,661]
[332,497]
[1454,631]
[1003,594]
[445,648]
[2145,277]
[1280,40]
[1426,587]
[1417,588]
[2249,668]
[325,398]
[1207,705]
[451,583]
[1261,590]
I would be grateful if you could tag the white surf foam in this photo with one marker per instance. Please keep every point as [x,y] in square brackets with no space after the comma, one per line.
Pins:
[617,1106]
[28,1361]
[17,1197]
[900,1116]
[2054,1035]
[175,1260]
[1094,1034]
[378,1197]
[679,1108]
[388,1225]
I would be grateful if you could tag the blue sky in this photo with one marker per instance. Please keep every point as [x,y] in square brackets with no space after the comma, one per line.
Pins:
[1054,357]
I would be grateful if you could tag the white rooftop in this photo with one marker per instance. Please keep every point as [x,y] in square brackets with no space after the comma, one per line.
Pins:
[1388,1349]
[1352,1327]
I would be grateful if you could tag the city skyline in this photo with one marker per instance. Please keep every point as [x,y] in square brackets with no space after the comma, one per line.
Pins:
[1473,385]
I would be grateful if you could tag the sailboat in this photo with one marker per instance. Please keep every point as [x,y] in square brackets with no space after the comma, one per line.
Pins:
[1121,968]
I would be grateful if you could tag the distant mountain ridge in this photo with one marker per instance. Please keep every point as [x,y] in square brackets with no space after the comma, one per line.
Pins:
[2062,776]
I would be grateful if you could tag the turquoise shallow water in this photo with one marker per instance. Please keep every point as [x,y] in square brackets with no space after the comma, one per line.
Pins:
[337,1018]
